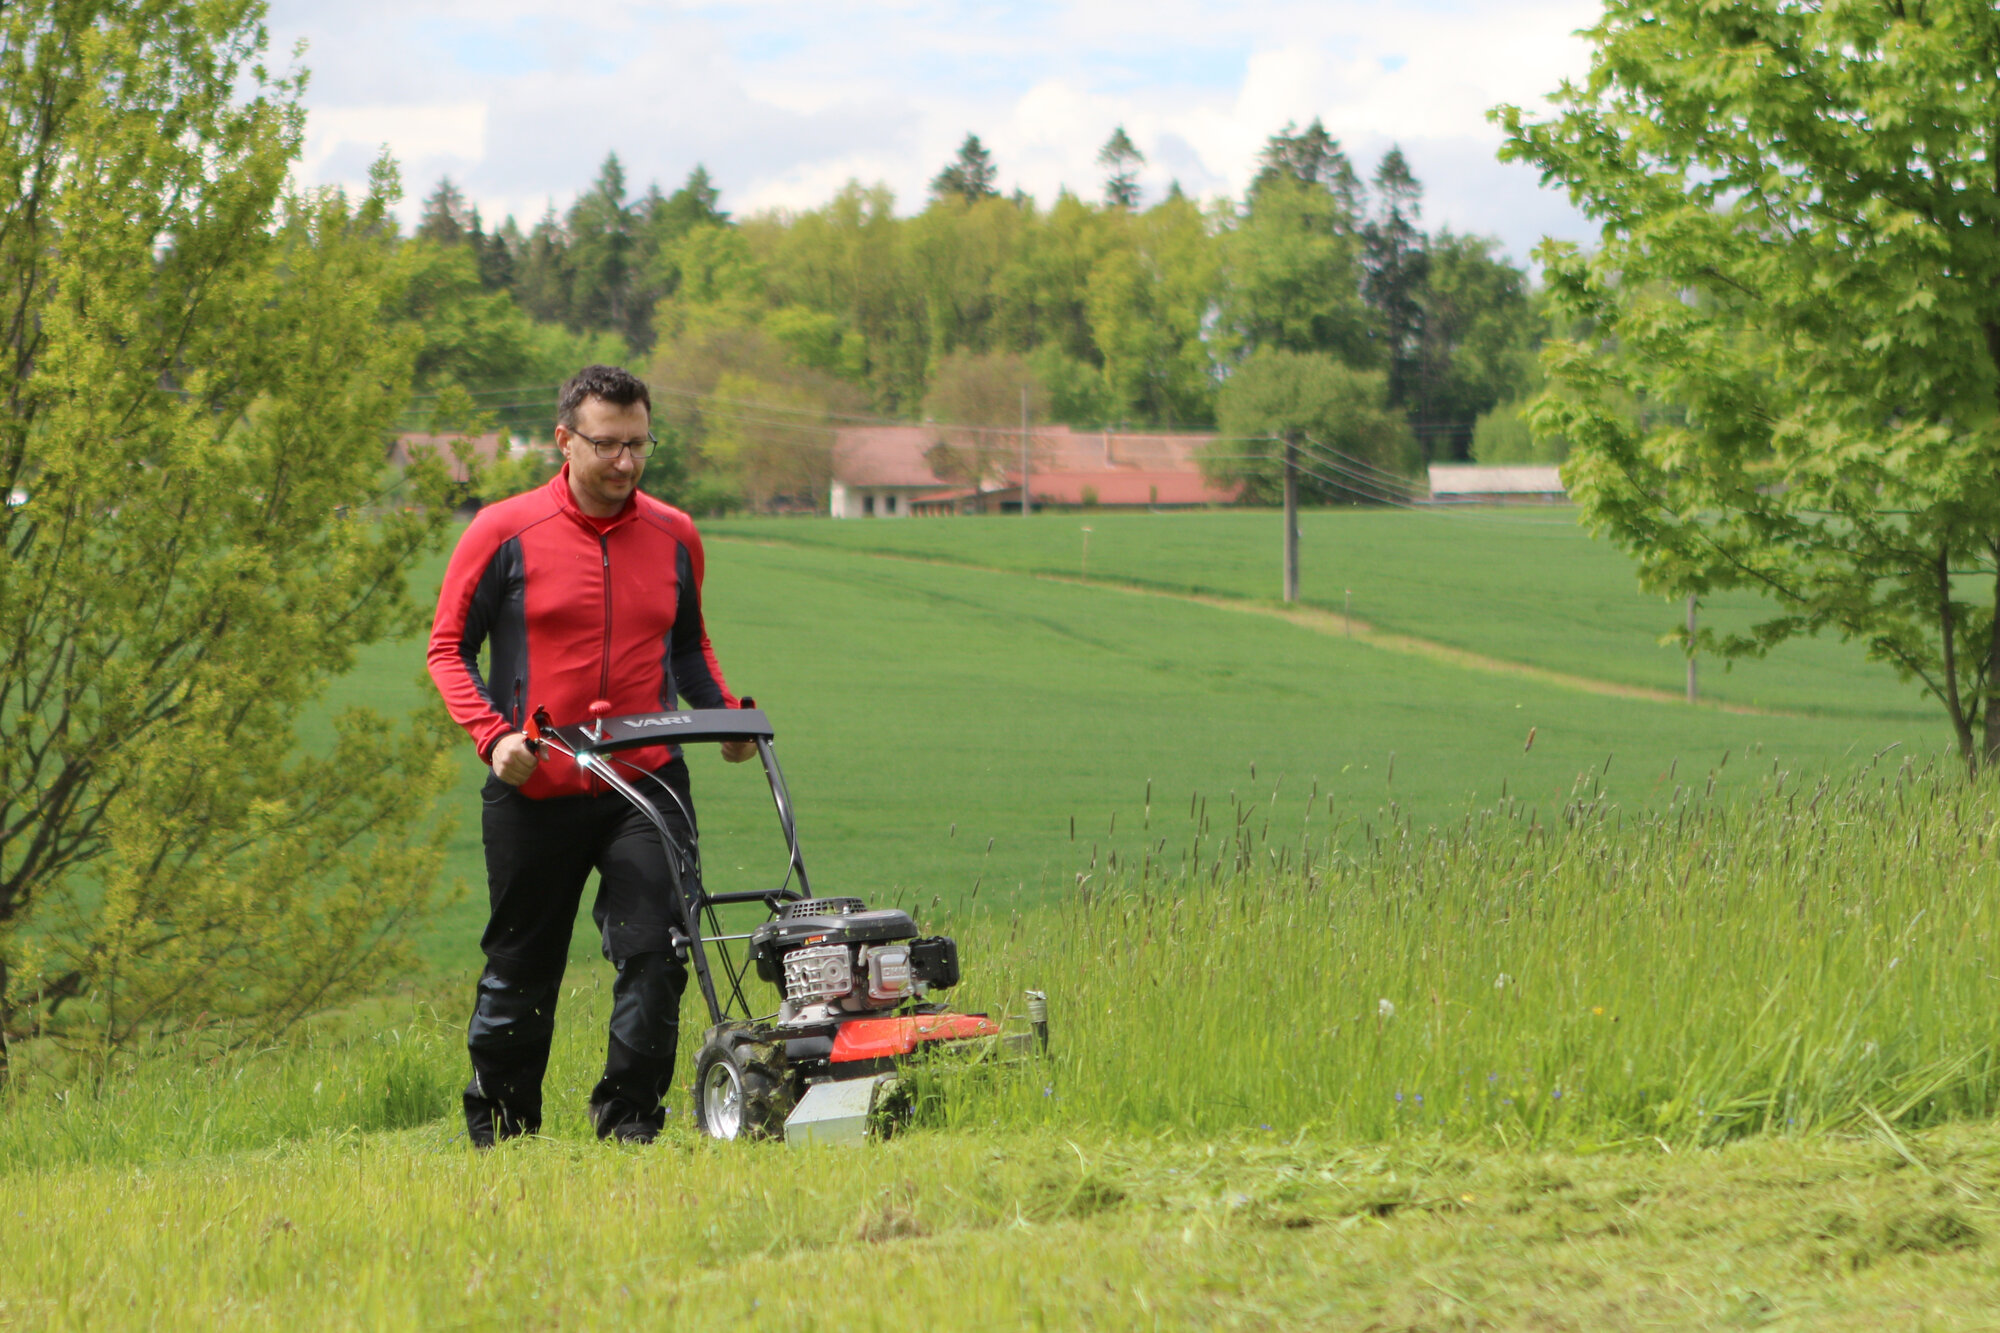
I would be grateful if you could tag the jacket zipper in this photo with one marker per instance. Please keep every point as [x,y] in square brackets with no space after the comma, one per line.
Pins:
[604,668]
[604,671]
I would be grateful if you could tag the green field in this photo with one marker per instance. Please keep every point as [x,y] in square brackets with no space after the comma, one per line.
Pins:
[1527,585]
[1369,1012]
[945,728]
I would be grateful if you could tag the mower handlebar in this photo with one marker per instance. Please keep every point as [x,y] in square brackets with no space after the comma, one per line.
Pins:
[608,734]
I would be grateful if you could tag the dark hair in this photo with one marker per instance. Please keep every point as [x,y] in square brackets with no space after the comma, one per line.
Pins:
[620,388]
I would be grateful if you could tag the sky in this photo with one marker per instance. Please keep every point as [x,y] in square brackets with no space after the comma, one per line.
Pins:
[784,102]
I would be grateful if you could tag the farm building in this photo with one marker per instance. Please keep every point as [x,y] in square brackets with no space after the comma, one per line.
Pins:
[487,448]
[890,472]
[1510,481]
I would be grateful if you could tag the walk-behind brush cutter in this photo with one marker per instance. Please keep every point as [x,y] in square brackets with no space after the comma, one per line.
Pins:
[856,982]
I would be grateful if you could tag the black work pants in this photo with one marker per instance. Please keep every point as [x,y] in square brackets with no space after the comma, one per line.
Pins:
[538,855]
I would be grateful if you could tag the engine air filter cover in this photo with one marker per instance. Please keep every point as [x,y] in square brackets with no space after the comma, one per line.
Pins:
[821,907]
[879,926]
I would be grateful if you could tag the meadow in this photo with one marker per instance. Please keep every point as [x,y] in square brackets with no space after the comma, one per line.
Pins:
[960,726]
[1670,1015]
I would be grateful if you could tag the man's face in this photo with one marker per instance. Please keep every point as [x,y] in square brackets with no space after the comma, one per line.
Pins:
[602,485]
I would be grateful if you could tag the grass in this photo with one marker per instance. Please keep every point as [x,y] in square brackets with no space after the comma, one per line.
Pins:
[1385,992]
[1526,585]
[949,729]
[1019,1231]
[1767,1018]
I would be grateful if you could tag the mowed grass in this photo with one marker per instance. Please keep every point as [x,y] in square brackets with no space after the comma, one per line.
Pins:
[950,731]
[1524,584]
[1018,1231]
[1725,1077]
[1374,1014]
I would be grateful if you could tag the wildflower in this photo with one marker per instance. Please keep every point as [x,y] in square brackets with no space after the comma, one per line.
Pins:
[1599,1011]
[1384,1009]
[1501,982]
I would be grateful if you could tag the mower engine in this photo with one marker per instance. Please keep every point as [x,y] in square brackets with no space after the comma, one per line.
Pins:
[834,957]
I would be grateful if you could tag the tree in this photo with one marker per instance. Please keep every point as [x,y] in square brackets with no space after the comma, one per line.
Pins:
[447,218]
[1394,265]
[1314,159]
[1121,160]
[1321,401]
[1476,329]
[600,228]
[1794,289]
[1294,270]
[200,368]
[976,401]
[544,274]
[969,176]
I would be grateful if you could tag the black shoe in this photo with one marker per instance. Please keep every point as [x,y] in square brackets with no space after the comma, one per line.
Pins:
[486,1122]
[616,1121]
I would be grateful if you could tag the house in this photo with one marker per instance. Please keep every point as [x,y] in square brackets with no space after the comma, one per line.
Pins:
[886,472]
[1509,481]
[488,448]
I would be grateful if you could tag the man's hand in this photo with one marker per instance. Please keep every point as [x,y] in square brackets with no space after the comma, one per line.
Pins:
[514,759]
[733,751]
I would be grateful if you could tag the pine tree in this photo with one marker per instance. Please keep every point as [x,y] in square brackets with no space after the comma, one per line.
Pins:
[1310,157]
[1394,263]
[1121,158]
[446,217]
[970,175]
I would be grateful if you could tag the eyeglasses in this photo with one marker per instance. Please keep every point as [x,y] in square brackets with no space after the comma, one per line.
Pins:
[612,448]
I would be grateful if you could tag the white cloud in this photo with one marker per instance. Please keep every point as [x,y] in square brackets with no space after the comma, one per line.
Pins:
[785,100]
[423,139]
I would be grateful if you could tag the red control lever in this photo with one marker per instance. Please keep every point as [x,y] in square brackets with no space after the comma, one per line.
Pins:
[598,709]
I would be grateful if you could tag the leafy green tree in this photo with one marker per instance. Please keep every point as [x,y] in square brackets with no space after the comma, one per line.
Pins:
[969,176]
[1477,329]
[1294,276]
[201,367]
[1794,289]
[1121,160]
[1316,398]
[976,401]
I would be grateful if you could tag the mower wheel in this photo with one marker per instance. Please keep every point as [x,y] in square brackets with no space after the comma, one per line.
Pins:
[740,1087]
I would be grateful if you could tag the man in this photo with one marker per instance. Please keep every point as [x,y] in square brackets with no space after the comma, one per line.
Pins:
[582,589]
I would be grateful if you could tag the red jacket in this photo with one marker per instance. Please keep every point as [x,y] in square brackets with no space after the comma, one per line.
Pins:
[573,609]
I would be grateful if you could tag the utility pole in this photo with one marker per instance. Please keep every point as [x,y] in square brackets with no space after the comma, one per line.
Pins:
[1026,504]
[1291,518]
[1691,690]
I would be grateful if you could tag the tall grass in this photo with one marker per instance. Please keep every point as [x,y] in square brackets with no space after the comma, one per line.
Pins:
[1804,958]
[1811,956]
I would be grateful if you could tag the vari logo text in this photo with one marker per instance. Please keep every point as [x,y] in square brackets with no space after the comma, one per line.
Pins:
[664,720]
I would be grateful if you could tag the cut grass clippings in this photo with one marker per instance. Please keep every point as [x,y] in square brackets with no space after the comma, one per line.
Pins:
[1020,1230]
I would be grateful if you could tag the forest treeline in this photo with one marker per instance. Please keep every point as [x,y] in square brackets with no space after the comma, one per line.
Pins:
[1319,302]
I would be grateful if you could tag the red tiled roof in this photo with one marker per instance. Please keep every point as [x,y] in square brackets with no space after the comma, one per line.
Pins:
[884,456]
[1126,486]
[487,448]
[894,455]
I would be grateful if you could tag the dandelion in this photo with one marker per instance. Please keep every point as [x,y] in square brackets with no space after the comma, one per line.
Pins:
[1502,981]
[1598,1010]
[1384,1009]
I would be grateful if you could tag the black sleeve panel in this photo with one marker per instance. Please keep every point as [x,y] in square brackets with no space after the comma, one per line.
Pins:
[497,617]
[690,668]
